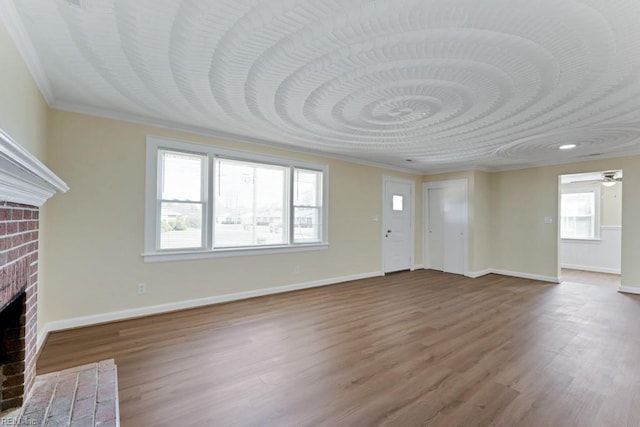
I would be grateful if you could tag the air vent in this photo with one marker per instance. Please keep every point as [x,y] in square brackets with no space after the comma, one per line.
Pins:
[80,4]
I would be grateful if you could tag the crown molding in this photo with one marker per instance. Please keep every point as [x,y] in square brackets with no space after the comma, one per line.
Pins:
[197,130]
[13,23]
[23,178]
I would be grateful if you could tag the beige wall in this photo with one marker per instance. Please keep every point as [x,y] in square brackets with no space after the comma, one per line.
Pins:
[23,111]
[611,210]
[94,247]
[23,115]
[522,198]
[507,210]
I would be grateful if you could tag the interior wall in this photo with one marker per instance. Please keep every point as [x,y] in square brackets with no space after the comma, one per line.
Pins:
[611,205]
[604,253]
[479,215]
[93,260]
[24,115]
[23,111]
[522,242]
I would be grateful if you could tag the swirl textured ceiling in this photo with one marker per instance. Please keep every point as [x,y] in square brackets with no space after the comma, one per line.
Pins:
[447,84]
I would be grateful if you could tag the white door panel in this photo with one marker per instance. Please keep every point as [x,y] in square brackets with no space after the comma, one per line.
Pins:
[398,227]
[435,228]
[446,225]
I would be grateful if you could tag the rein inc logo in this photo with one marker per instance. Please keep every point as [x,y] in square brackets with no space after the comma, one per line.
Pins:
[18,421]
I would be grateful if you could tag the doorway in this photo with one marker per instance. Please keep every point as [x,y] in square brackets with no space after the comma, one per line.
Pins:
[398,222]
[590,227]
[446,223]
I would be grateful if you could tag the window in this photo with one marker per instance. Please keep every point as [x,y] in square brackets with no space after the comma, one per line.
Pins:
[579,214]
[204,201]
[397,203]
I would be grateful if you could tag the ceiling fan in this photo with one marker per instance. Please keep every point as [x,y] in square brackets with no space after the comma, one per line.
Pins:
[610,178]
[607,178]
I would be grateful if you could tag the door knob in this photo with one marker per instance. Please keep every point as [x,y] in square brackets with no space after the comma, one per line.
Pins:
[388,231]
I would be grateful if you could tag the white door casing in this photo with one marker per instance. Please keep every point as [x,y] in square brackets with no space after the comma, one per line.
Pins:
[445,225]
[435,228]
[398,224]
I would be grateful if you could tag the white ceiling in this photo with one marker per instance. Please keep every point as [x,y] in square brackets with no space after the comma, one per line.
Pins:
[449,84]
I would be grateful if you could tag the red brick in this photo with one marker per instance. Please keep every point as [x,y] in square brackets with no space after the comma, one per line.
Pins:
[13,380]
[12,227]
[12,392]
[11,403]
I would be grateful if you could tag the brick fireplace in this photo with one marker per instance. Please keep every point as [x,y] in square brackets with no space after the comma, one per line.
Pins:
[18,301]
[25,185]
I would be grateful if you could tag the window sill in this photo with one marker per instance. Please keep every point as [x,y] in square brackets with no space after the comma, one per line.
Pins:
[597,240]
[187,255]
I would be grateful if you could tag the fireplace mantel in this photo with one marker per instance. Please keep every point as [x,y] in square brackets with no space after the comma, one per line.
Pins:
[23,178]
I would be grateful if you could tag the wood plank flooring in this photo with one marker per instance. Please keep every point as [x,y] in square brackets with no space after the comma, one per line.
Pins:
[411,348]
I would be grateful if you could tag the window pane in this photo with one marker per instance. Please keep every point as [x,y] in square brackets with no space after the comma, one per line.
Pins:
[397,203]
[180,225]
[181,176]
[250,200]
[307,188]
[578,215]
[306,225]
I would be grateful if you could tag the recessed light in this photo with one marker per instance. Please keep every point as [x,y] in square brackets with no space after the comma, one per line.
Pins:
[567,146]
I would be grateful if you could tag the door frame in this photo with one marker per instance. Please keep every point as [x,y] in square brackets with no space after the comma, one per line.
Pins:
[412,210]
[425,213]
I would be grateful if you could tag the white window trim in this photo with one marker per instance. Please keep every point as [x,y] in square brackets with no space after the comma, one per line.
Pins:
[594,188]
[152,254]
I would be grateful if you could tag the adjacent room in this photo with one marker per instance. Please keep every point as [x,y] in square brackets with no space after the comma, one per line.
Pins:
[305,212]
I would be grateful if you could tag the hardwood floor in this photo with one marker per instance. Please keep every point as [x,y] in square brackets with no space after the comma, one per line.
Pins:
[591,278]
[412,348]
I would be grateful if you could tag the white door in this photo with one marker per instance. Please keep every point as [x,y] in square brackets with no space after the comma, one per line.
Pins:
[446,224]
[455,214]
[436,228]
[397,226]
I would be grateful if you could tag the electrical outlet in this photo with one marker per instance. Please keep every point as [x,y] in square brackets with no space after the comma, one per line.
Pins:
[296,269]
[142,288]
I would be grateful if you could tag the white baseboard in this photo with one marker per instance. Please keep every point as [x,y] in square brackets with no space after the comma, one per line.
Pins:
[476,274]
[629,289]
[77,322]
[591,268]
[417,267]
[526,275]
[43,332]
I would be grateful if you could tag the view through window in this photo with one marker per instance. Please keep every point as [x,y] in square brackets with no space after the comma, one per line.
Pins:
[207,202]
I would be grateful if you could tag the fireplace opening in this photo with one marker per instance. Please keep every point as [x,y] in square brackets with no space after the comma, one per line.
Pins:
[12,353]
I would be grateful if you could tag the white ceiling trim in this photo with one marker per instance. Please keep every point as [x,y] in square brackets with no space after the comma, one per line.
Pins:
[174,126]
[13,23]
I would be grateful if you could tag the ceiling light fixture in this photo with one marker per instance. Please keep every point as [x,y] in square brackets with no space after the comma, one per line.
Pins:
[567,146]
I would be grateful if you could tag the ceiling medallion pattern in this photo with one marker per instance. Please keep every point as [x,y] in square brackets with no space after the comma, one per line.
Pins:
[493,83]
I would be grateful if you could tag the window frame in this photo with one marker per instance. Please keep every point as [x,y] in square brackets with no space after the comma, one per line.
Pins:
[153,252]
[596,190]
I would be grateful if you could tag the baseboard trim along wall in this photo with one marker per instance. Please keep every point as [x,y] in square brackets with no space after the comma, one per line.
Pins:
[629,290]
[526,275]
[476,274]
[78,322]
[594,269]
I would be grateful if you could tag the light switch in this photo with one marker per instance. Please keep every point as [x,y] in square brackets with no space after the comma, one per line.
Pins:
[374,218]
[548,220]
